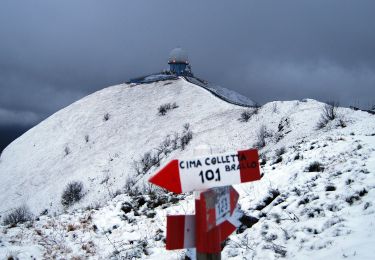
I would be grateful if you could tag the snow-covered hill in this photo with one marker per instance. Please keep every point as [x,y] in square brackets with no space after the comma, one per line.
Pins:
[303,211]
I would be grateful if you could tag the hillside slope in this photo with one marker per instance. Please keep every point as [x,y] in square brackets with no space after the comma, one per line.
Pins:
[303,212]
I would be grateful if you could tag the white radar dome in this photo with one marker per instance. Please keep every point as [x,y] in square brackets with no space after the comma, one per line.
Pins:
[178,55]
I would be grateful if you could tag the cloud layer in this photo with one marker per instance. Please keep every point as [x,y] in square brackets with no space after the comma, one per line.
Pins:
[53,53]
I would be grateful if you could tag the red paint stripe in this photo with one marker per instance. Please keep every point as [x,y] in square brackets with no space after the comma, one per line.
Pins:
[175,232]
[206,242]
[226,228]
[249,165]
[233,199]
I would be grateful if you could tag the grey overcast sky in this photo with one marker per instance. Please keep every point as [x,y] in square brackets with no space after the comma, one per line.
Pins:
[55,52]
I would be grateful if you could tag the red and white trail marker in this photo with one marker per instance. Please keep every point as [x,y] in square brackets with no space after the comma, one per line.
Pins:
[219,204]
[180,232]
[212,228]
[210,171]
[214,218]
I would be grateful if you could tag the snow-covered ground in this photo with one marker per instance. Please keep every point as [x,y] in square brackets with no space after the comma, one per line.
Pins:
[302,213]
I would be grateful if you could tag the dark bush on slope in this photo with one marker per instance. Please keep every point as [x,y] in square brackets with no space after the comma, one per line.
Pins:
[247,114]
[18,215]
[171,143]
[163,109]
[72,193]
[329,113]
[315,167]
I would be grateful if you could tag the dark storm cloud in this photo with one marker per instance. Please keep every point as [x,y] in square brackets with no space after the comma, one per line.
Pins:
[55,52]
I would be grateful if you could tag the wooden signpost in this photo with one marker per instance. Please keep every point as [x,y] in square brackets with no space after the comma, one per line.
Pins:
[215,204]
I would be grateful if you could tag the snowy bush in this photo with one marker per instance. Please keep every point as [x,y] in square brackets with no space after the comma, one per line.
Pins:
[72,193]
[67,150]
[130,187]
[315,167]
[246,222]
[330,187]
[329,113]
[341,122]
[148,160]
[267,200]
[261,137]
[274,108]
[186,136]
[106,117]
[247,114]
[18,215]
[280,151]
[171,142]
[163,109]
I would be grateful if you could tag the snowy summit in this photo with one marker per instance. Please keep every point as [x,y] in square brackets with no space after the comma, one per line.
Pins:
[314,201]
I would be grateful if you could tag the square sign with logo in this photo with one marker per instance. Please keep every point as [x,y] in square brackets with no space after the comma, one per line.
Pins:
[218,205]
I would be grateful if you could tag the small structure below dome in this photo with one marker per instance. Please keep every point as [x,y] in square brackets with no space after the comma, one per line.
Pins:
[179,63]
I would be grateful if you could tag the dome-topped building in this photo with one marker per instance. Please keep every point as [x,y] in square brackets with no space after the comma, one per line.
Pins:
[178,62]
[178,55]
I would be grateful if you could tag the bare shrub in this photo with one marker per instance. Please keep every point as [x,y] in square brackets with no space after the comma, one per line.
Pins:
[147,161]
[330,187]
[171,142]
[247,114]
[72,193]
[106,117]
[329,113]
[274,108]
[18,215]
[315,167]
[280,151]
[341,122]
[261,137]
[67,150]
[186,136]
[87,138]
[163,109]
[130,187]
[278,249]
[271,196]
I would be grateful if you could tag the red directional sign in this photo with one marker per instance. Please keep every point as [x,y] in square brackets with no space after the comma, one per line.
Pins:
[209,171]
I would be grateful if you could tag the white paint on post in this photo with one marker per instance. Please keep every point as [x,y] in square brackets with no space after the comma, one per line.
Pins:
[189,231]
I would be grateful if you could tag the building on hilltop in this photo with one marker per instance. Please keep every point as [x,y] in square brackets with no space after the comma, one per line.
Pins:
[179,63]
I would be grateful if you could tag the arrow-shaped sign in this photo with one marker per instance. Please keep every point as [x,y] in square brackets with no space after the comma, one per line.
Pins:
[209,171]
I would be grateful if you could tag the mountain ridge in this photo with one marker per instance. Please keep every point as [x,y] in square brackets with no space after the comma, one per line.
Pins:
[316,190]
